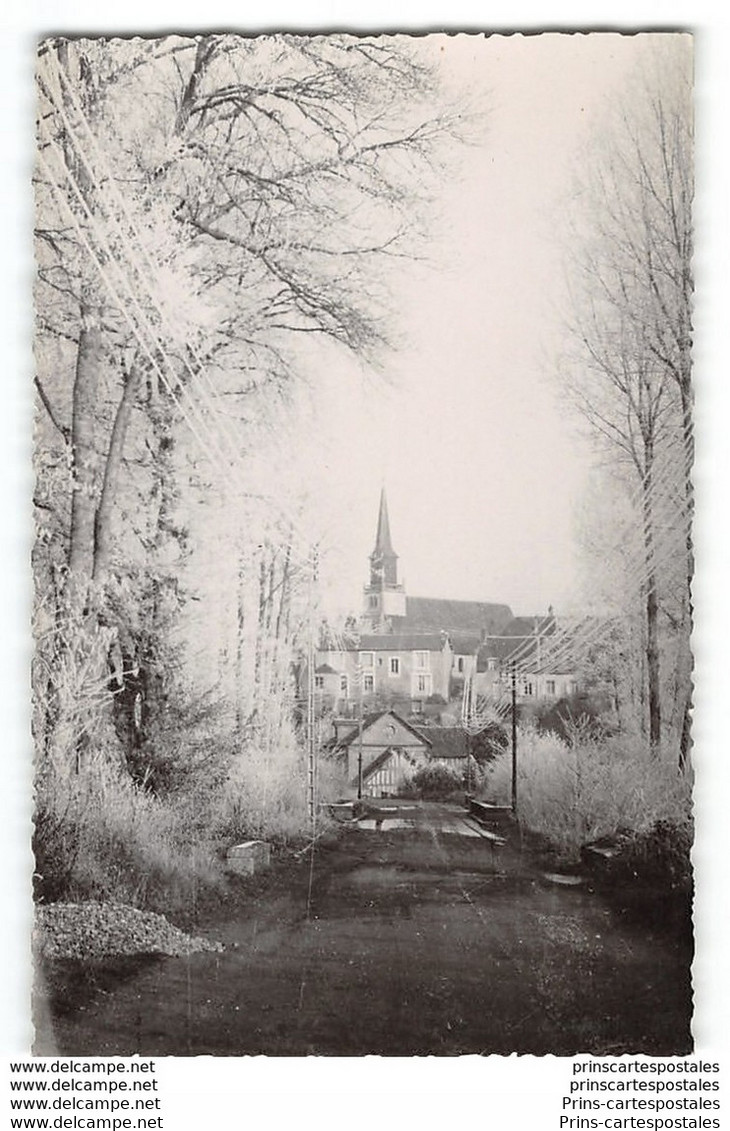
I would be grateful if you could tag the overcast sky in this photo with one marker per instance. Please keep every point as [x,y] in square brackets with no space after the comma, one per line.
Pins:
[482,465]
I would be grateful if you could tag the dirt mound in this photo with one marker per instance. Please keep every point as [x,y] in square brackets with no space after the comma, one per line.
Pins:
[95,930]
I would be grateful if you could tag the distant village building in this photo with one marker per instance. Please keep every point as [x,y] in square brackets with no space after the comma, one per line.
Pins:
[405,668]
[413,653]
[384,746]
[526,641]
[387,608]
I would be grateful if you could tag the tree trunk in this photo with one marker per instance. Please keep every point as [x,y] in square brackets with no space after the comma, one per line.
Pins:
[651,605]
[112,474]
[89,357]
[240,625]
[85,460]
[685,744]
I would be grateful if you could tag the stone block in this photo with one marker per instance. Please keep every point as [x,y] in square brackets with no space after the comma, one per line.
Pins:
[249,858]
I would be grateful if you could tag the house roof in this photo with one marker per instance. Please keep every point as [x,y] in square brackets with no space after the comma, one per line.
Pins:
[324,669]
[459,618]
[447,742]
[519,633]
[399,642]
[529,626]
[464,645]
[372,717]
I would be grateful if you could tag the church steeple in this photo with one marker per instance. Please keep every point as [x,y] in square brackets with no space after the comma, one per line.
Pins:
[385,598]
[383,560]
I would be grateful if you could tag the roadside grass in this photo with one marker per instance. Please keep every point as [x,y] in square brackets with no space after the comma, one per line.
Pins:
[265,794]
[146,822]
[99,835]
[573,793]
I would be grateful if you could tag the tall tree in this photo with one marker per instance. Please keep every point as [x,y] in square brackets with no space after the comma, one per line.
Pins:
[204,207]
[631,287]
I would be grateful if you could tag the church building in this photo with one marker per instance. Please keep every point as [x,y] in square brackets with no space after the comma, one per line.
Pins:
[388,609]
[413,653]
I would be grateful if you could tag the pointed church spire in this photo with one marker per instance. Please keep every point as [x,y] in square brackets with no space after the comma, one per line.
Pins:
[385,598]
[383,544]
[383,560]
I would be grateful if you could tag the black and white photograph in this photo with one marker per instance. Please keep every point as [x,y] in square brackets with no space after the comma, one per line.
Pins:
[364,558]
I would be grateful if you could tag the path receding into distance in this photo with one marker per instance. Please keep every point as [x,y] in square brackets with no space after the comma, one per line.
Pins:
[414,939]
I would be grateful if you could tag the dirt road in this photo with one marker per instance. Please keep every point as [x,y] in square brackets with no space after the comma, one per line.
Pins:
[414,939]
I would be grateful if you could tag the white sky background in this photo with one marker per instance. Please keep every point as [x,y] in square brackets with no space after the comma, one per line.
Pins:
[465,428]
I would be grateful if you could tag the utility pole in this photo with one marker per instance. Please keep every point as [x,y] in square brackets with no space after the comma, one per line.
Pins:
[360,679]
[514,737]
[311,738]
[310,732]
[539,658]
[467,751]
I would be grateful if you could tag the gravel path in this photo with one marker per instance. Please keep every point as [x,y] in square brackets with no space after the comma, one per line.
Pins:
[96,930]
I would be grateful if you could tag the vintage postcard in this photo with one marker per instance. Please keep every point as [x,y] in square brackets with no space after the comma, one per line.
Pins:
[363,560]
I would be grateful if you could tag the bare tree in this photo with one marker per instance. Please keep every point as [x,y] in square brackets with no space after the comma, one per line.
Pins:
[202,206]
[631,289]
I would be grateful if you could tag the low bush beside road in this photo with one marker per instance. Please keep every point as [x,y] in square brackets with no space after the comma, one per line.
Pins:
[611,792]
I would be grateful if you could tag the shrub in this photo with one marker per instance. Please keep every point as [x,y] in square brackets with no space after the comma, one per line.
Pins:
[660,856]
[489,742]
[134,813]
[436,781]
[264,795]
[98,836]
[574,792]
[593,711]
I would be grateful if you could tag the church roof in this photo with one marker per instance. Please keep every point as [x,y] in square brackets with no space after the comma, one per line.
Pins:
[458,618]
[399,642]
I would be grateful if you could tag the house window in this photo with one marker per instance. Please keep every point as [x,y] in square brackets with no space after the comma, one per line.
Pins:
[460,664]
[422,660]
[366,659]
[394,665]
[421,684]
[368,683]
[550,686]
[373,601]
[343,684]
[491,664]
[319,682]
[527,687]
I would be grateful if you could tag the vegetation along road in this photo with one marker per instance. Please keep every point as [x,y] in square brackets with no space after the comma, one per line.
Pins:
[416,938]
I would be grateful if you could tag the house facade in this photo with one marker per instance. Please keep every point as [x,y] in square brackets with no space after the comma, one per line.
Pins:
[386,747]
[405,669]
[526,642]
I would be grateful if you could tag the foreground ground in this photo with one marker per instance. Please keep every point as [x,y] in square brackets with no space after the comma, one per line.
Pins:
[413,939]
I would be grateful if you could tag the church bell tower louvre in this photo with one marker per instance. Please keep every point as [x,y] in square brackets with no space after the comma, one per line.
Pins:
[384,597]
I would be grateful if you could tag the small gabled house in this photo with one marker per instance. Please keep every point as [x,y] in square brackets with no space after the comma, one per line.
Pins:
[390,749]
